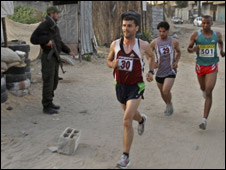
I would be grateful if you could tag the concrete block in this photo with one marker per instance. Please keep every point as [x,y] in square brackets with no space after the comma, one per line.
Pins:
[68,141]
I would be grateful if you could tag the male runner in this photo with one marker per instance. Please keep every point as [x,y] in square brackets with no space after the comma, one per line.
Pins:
[168,53]
[207,61]
[126,58]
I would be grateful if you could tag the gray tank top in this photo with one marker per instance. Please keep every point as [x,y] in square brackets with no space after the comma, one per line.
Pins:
[165,58]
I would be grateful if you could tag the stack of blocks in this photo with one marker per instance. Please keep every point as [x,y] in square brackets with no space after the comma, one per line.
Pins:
[68,141]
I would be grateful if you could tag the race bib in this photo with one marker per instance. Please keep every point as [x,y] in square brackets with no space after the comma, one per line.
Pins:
[207,50]
[165,50]
[125,63]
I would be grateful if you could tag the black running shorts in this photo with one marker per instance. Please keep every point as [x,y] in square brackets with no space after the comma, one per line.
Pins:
[125,93]
[162,79]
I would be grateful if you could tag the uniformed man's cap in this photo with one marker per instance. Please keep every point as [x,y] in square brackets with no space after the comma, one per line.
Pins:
[52,9]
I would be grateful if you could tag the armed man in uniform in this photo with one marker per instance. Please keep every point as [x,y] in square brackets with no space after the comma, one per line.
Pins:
[47,35]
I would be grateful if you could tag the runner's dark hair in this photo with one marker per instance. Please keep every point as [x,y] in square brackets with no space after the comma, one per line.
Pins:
[163,24]
[131,18]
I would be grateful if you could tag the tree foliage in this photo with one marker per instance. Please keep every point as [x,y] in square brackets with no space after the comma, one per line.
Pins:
[182,4]
[27,15]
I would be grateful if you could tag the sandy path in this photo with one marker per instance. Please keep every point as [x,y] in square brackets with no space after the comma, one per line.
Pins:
[88,102]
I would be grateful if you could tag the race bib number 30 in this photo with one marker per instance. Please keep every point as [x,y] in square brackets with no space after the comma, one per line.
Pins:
[207,50]
[125,64]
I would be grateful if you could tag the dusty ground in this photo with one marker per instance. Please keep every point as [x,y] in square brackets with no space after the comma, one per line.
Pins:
[88,102]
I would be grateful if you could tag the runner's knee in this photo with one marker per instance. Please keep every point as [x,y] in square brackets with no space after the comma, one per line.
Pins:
[166,92]
[209,92]
[202,88]
[127,123]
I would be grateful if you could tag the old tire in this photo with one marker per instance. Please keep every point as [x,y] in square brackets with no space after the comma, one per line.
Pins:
[3,82]
[27,61]
[28,75]
[4,97]
[19,45]
[19,93]
[10,78]
[19,85]
[16,70]
[28,69]
[3,88]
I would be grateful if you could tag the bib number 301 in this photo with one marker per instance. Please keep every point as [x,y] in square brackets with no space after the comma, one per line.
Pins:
[125,64]
[206,50]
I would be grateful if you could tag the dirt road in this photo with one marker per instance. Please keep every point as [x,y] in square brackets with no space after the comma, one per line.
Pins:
[88,103]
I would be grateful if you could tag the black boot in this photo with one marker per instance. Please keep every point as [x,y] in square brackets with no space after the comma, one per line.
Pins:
[55,106]
[49,110]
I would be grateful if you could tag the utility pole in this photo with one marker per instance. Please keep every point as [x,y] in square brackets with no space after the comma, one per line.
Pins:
[164,19]
[199,9]
[142,23]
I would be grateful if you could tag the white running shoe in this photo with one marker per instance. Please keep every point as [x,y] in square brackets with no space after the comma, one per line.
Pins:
[203,125]
[141,126]
[169,110]
[124,162]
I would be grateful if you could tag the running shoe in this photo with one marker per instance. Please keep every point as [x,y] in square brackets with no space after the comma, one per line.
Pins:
[169,109]
[124,162]
[203,126]
[141,126]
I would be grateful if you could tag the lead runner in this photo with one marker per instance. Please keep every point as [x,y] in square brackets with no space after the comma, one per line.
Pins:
[126,58]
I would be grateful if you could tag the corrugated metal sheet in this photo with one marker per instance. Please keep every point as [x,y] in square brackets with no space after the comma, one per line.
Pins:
[2,35]
[68,23]
[86,27]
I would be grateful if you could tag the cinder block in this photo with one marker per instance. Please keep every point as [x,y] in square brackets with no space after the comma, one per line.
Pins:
[68,141]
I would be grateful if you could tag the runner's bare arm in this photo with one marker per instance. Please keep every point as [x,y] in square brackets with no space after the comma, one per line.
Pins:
[178,53]
[151,61]
[221,45]
[192,42]
[150,57]
[110,60]
[153,48]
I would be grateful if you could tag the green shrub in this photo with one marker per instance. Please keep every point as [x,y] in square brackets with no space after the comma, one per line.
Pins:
[26,15]
[146,36]
[87,57]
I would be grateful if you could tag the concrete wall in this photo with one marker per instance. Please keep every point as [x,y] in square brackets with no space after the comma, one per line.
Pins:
[206,9]
[220,16]
[157,17]
[182,12]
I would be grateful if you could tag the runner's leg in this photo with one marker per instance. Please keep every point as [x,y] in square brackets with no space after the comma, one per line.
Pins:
[137,116]
[130,112]
[160,86]
[167,86]
[210,82]
[202,82]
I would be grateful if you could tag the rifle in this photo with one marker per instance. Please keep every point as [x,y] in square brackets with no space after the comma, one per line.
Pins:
[54,50]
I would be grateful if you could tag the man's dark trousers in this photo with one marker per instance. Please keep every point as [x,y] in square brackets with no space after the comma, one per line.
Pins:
[50,71]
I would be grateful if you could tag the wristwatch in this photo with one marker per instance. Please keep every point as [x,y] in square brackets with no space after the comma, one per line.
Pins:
[151,71]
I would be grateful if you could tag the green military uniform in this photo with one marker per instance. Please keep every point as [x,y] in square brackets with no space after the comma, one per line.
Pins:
[45,32]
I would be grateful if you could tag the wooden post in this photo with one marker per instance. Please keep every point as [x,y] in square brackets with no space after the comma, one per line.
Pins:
[4,32]
[199,9]
[79,31]
[142,25]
